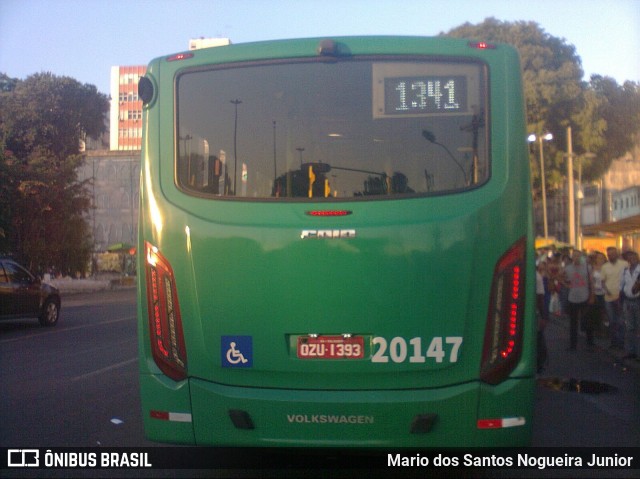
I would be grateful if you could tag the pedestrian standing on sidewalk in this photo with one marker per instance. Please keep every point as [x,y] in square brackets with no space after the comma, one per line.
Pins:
[595,308]
[555,284]
[611,273]
[630,286]
[542,306]
[578,279]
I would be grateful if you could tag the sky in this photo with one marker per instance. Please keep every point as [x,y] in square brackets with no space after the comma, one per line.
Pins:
[84,38]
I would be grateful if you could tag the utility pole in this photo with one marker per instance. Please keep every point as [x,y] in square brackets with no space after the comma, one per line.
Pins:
[540,138]
[571,197]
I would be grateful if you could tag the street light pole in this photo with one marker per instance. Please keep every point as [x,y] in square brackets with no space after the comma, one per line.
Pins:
[275,168]
[546,137]
[587,155]
[236,102]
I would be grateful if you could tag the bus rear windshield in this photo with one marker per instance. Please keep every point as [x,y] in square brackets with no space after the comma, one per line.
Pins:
[309,130]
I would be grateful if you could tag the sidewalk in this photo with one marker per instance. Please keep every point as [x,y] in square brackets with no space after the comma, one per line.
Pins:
[68,285]
[558,332]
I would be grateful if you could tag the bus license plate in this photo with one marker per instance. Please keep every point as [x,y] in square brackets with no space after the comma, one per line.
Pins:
[330,347]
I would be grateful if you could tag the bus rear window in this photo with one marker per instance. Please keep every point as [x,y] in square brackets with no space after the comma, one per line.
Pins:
[309,130]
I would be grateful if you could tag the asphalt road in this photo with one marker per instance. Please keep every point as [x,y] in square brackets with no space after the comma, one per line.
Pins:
[75,385]
[588,397]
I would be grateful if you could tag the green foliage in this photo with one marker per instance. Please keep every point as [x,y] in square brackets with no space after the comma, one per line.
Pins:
[619,108]
[43,206]
[603,116]
[6,189]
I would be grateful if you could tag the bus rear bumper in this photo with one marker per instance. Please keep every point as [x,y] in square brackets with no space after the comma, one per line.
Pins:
[205,413]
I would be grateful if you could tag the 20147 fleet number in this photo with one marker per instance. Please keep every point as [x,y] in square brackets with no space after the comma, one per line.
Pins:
[399,350]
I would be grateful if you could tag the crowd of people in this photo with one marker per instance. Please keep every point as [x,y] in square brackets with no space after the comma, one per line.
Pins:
[597,293]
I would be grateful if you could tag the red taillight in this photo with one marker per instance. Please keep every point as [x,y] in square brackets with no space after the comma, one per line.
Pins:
[165,324]
[503,333]
[482,45]
[179,57]
[327,213]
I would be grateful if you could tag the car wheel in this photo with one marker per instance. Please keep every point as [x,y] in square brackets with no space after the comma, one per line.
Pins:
[50,312]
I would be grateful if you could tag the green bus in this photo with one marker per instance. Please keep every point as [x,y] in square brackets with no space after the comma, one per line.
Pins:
[335,245]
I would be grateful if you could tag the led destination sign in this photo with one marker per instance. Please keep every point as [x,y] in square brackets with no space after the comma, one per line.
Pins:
[419,95]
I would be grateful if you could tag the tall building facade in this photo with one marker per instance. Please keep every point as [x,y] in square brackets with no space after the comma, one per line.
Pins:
[115,189]
[615,198]
[126,108]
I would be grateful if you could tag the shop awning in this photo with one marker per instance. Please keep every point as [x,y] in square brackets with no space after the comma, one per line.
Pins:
[542,242]
[621,227]
[119,248]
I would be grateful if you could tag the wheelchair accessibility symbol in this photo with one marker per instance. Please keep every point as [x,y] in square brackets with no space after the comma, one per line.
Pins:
[236,351]
[234,356]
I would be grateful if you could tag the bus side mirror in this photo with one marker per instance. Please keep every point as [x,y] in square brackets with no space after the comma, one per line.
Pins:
[145,90]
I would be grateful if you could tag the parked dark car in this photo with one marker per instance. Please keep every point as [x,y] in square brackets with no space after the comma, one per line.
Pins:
[22,295]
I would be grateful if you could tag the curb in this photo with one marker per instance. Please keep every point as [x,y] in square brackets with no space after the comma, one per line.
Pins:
[79,286]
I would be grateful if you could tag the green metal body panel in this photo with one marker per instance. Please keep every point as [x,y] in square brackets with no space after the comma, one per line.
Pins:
[418,268]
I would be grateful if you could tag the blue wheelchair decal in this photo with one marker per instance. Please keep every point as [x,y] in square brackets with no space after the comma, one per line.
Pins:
[236,351]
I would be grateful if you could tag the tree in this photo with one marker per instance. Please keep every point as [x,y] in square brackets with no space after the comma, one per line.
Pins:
[43,208]
[7,84]
[609,122]
[5,199]
[602,115]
